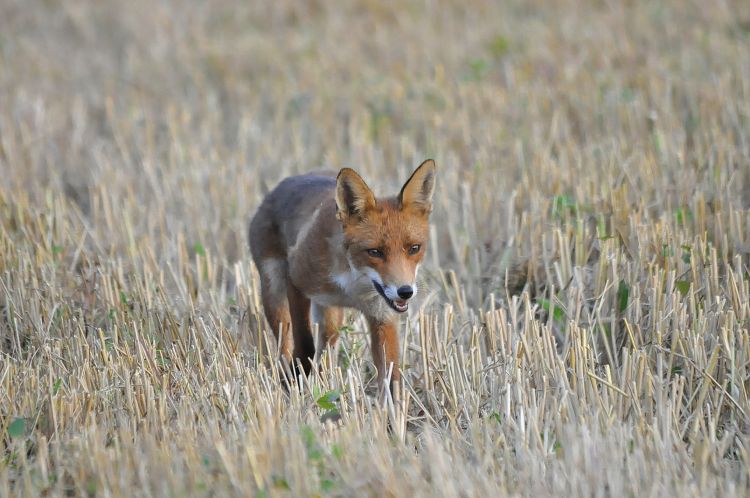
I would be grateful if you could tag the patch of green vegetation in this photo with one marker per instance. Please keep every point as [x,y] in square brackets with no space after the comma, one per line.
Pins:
[280,482]
[328,401]
[477,69]
[623,293]
[683,286]
[682,215]
[312,447]
[556,312]
[337,452]
[686,253]
[346,329]
[499,46]
[316,455]
[17,429]
[628,94]
[563,205]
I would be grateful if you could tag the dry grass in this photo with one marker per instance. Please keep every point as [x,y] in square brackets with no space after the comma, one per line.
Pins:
[587,332]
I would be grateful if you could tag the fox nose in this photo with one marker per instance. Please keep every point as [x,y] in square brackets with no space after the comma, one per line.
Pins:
[405,292]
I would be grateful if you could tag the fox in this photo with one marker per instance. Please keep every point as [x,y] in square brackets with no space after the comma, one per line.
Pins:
[323,242]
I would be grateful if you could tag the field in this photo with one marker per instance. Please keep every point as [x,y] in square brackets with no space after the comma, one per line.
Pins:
[585,324]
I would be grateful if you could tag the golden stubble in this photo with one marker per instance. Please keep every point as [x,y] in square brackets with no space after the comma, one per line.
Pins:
[585,329]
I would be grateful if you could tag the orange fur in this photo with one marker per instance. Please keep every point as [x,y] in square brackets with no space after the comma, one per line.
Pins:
[322,244]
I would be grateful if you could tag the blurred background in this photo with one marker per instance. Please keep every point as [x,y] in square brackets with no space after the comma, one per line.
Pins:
[588,308]
[181,114]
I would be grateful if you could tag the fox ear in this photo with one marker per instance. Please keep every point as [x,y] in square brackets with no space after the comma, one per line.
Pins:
[353,196]
[418,189]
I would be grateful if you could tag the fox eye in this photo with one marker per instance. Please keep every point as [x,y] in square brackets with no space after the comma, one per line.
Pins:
[414,249]
[376,253]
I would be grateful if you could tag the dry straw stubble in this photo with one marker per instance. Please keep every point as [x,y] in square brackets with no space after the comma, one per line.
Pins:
[586,329]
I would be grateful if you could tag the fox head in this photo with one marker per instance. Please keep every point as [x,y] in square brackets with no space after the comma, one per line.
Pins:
[385,239]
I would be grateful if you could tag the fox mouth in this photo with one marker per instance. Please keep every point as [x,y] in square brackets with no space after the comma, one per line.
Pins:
[398,305]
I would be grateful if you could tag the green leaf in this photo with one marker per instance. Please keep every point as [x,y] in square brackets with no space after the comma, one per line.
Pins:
[56,249]
[683,215]
[686,251]
[327,485]
[683,286]
[557,313]
[326,405]
[562,204]
[328,400]
[56,386]
[199,249]
[623,293]
[17,428]
[346,329]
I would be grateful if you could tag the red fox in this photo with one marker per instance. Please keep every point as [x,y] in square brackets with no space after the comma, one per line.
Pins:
[323,243]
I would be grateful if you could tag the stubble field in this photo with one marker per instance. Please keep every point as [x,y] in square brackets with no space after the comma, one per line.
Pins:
[585,318]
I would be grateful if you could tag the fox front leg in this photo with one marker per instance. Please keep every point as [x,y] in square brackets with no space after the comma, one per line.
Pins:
[384,345]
